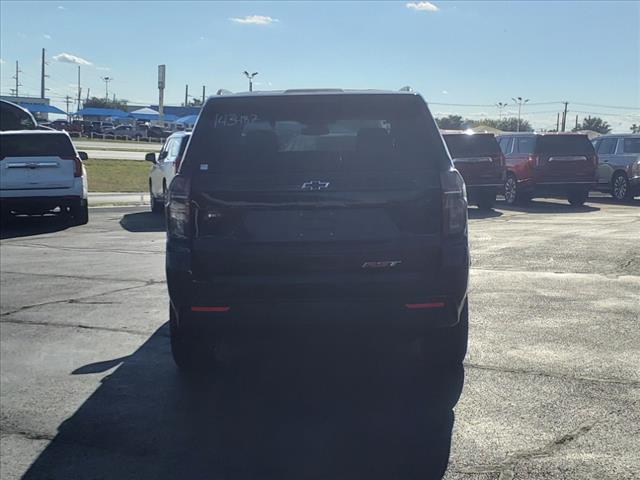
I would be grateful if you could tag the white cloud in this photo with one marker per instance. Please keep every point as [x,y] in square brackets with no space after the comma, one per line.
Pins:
[47,36]
[1,61]
[444,92]
[422,6]
[201,38]
[254,20]
[68,58]
[103,69]
[60,7]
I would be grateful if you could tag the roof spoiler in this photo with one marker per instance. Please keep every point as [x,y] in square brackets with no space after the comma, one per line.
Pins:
[406,88]
[224,91]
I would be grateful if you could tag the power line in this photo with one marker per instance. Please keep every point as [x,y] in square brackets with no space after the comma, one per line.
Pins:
[606,106]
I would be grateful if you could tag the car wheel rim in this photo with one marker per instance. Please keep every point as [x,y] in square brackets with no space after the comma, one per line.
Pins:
[510,190]
[620,188]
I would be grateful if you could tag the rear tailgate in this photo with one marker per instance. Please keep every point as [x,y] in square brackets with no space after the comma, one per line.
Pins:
[477,157]
[565,159]
[273,226]
[33,161]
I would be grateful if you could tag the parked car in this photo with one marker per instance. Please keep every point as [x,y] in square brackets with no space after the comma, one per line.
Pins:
[165,167]
[131,131]
[40,170]
[481,163]
[561,164]
[619,167]
[60,125]
[106,126]
[155,131]
[14,117]
[361,207]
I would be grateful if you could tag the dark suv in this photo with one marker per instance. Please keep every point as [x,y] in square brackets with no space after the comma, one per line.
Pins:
[481,163]
[309,200]
[562,164]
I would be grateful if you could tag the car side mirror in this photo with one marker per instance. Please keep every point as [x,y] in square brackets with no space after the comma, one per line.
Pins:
[163,155]
[150,157]
[83,156]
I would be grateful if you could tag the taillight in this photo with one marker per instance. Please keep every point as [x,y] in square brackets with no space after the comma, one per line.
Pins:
[454,202]
[177,208]
[77,165]
[535,160]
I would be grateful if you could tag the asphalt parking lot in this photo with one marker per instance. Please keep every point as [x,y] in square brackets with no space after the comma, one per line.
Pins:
[551,380]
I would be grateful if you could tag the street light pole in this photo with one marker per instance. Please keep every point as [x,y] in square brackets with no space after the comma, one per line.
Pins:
[520,101]
[501,106]
[250,77]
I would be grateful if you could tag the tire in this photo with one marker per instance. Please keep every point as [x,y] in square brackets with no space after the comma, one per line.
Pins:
[156,206]
[191,351]
[512,194]
[448,346]
[577,199]
[486,201]
[620,189]
[80,213]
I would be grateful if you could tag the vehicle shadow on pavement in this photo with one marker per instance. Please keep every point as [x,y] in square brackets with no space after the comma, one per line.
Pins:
[545,206]
[477,213]
[143,222]
[318,410]
[23,226]
[611,201]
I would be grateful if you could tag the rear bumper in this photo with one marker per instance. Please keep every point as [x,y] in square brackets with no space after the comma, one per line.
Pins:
[38,204]
[402,302]
[556,188]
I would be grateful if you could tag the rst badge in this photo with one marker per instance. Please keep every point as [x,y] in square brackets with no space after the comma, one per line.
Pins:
[315,185]
[382,264]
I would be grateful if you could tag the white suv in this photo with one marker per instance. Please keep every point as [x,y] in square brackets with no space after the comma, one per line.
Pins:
[40,171]
[164,168]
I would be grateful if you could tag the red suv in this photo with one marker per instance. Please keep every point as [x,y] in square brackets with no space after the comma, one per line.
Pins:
[481,163]
[552,164]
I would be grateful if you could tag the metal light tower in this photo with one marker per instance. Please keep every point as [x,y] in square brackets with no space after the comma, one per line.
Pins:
[501,106]
[106,81]
[520,101]
[250,77]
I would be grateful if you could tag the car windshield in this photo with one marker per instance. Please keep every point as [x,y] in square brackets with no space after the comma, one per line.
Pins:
[565,145]
[461,146]
[35,145]
[315,133]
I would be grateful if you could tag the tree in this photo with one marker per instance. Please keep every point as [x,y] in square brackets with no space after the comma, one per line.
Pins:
[96,102]
[595,124]
[450,122]
[505,124]
[635,128]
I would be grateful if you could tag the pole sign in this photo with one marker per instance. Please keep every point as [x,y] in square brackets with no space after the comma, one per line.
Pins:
[161,75]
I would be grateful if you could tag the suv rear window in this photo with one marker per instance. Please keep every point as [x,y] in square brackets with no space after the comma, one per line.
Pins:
[631,145]
[565,145]
[36,145]
[315,133]
[477,145]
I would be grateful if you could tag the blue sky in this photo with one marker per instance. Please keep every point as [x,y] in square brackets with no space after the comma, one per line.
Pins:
[469,53]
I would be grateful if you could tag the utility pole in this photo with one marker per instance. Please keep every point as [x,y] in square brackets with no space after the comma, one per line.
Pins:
[501,106]
[564,116]
[558,123]
[520,101]
[68,101]
[17,77]
[576,121]
[250,77]
[161,82]
[203,95]
[43,75]
[106,81]
[79,91]
[88,90]
[186,95]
